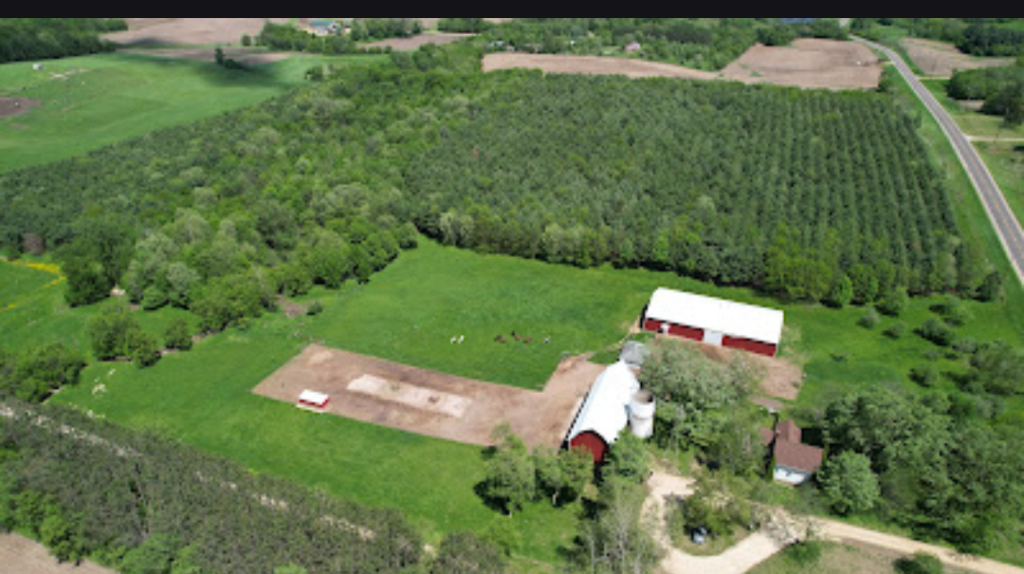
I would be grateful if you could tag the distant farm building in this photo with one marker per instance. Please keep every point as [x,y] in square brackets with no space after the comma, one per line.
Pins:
[715,321]
[795,462]
[615,402]
[324,27]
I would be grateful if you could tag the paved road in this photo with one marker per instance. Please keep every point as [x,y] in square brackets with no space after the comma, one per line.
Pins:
[1003,219]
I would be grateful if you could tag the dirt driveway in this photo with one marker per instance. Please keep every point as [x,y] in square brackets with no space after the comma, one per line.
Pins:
[20,555]
[431,403]
[761,546]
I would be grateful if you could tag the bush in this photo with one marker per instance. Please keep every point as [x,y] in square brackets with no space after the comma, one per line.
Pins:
[178,335]
[870,320]
[921,563]
[936,332]
[805,554]
[925,375]
[896,332]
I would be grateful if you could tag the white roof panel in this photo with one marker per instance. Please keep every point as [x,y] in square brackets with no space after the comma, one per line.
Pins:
[710,314]
[313,398]
[605,412]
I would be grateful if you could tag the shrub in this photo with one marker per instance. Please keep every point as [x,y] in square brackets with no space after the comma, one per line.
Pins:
[936,332]
[870,320]
[926,375]
[178,335]
[921,563]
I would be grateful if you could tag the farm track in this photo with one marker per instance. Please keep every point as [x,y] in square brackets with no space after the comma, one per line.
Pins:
[1007,226]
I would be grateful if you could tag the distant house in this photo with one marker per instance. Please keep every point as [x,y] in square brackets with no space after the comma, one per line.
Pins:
[795,463]
[715,321]
[633,47]
[324,27]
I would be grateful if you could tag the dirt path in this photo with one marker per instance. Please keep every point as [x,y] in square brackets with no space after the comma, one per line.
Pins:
[846,532]
[763,545]
[20,555]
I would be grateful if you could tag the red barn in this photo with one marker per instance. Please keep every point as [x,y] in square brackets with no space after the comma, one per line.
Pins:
[605,412]
[715,321]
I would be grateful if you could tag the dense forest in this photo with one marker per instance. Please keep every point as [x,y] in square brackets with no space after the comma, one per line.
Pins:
[976,36]
[784,189]
[24,39]
[704,43]
[87,488]
[796,192]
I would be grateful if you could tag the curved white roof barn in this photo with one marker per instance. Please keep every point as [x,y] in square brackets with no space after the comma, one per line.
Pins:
[605,413]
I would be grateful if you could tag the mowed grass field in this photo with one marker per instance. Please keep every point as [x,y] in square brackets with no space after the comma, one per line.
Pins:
[92,101]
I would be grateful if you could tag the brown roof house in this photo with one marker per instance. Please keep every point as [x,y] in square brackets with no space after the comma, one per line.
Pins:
[794,462]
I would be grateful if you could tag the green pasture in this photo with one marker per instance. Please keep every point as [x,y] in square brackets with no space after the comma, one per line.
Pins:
[408,313]
[92,101]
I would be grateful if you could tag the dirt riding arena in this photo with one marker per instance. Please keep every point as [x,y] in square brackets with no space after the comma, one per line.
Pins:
[432,403]
[20,555]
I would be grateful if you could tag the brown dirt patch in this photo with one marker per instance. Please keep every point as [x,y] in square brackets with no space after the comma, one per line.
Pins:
[593,65]
[185,31]
[431,403]
[942,59]
[20,555]
[809,63]
[10,107]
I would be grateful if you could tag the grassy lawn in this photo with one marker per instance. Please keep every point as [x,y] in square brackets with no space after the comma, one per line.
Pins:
[92,101]
[410,312]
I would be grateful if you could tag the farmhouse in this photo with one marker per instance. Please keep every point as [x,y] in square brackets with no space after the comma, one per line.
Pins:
[715,321]
[795,462]
[614,403]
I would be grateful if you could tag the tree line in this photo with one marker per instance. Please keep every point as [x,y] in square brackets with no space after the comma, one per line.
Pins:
[704,43]
[292,38]
[24,39]
[1001,89]
[975,36]
[145,505]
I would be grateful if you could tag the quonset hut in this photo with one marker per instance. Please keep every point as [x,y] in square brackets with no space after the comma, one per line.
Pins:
[715,321]
[609,409]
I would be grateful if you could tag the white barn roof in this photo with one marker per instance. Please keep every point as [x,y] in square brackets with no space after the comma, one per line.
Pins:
[605,412]
[710,314]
